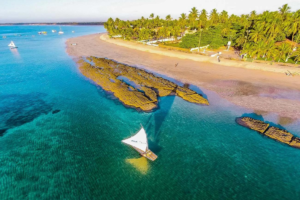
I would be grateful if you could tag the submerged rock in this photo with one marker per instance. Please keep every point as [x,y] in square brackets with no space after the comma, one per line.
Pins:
[55,111]
[2,131]
[269,131]
[137,88]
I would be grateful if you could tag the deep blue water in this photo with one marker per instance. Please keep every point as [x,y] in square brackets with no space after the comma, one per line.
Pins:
[61,136]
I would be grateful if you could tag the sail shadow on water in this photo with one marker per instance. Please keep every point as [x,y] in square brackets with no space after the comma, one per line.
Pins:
[156,121]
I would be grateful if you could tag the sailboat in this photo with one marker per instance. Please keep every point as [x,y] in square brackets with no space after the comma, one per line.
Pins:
[140,143]
[60,31]
[12,45]
[53,31]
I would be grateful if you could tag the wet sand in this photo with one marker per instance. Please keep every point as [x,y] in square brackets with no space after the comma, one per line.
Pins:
[261,91]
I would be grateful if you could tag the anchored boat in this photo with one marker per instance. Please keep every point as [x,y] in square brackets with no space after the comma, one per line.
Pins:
[12,45]
[60,31]
[140,143]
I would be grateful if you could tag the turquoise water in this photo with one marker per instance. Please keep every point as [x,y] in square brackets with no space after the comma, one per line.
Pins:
[61,136]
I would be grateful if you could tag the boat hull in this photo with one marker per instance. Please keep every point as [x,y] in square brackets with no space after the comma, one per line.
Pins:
[147,154]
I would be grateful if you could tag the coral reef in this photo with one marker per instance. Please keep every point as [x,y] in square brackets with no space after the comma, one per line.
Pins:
[269,131]
[132,86]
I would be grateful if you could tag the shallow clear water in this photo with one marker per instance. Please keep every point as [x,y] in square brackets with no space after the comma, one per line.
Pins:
[76,152]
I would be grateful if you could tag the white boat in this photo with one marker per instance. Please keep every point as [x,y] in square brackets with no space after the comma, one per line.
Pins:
[12,45]
[73,31]
[60,31]
[140,143]
[53,31]
[42,33]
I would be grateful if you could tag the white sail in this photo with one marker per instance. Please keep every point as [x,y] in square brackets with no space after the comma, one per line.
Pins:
[139,140]
[60,31]
[12,44]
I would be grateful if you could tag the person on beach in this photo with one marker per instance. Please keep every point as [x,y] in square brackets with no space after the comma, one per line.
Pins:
[218,57]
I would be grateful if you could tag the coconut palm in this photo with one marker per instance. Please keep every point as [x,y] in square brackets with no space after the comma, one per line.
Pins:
[176,31]
[283,51]
[226,29]
[151,16]
[223,16]
[253,15]
[193,16]
[168,19]
[259,49]
[284,9]
[257,34]
[214,16]
[203,16]
[296,54]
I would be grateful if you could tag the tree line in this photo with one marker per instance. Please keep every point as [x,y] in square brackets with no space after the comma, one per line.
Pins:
[271,35]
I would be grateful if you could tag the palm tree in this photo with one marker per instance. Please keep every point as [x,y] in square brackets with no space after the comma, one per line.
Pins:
[273,26]
[257,34]
[182,16]
[223,16]
[269,50]
[284,10]
[214,16]
[260,48]
[151,16]
[294,26]
[203,15]
[182,22]
[193,16]
[283,51]
[226,29]
[176,32]
[168,18]
[253,15]
[296,54]
[157,21]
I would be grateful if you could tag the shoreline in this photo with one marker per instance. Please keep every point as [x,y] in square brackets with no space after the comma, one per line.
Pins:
[275,67]
[261,91]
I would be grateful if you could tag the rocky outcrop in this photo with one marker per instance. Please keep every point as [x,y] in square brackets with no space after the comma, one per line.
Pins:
[132,86]
[295,142]
[279,135]
[253,124]
[269,131]
[190,95]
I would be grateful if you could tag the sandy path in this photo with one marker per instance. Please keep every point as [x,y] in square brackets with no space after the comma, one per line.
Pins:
[261,91]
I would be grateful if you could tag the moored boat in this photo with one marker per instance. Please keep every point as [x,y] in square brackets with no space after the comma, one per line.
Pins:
[140,143]
[42,33]
[60,31]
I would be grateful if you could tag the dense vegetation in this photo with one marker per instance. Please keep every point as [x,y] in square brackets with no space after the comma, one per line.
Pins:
[271,35]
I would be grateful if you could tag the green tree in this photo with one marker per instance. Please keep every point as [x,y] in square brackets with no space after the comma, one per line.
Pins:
[193,16]
[168,19]
[151,16]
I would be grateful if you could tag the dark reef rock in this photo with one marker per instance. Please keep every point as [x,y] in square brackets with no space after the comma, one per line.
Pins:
[55,111]
[269,131]
[19,109]
[2,131]
[144,87]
